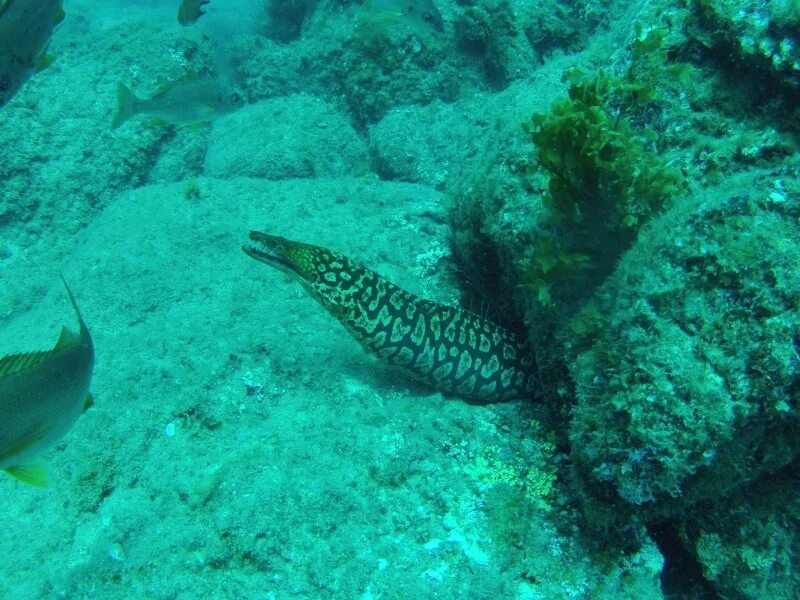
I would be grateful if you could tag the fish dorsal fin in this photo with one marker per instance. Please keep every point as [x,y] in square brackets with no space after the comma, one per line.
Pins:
[163,88]
[83,335]
[166,86]
[67,339]
[16,363]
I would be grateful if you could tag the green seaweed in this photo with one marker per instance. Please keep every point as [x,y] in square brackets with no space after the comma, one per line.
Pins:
[599,165]
[605,179]
[191,189]
[548,264]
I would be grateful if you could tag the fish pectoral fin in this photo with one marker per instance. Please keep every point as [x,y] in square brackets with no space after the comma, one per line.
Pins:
[88,402]
[165,85]
[35,474]
[43,61]
[162,88]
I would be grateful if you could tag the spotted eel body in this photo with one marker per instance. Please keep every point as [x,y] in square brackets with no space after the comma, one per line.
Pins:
[453,350]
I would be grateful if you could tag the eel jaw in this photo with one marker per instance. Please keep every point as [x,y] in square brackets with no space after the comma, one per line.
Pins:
[269,249]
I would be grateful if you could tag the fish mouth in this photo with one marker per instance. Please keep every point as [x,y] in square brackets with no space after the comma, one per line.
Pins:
[269,249]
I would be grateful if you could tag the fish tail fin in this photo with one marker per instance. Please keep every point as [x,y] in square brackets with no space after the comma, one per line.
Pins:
[127,104]
[35,475]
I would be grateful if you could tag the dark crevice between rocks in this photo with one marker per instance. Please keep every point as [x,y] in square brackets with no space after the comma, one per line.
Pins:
[682,576]
[483,290]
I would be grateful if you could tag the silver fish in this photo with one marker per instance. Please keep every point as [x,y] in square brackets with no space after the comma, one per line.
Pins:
[191,100]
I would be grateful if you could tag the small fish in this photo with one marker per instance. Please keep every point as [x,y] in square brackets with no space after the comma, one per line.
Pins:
[190,11]
[193,100]
[415,13]
[25,29]
[42,394]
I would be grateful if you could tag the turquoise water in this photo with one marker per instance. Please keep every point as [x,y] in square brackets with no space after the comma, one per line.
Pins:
[243,445]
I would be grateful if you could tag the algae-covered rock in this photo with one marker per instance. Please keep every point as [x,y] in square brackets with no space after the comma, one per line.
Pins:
[365,62]
[685,362]
[763,36]
[369,59]
[494,31]
[294,136]
[748,544]
[425,144]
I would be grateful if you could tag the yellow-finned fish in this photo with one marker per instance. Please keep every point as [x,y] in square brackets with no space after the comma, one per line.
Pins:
[191,100]
[25,29]
[42,394]
[190,11]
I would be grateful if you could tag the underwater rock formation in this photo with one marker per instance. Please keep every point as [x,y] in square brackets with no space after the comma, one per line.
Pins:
[672,379]
[686,383]
[763,36]
[292,136]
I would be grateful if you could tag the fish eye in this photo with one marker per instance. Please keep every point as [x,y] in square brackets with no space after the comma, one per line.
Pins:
[236,99]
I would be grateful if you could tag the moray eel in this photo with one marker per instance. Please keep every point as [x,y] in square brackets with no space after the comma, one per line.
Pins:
[453,350]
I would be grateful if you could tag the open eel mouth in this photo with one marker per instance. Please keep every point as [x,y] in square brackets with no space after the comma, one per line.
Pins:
[270,249]
[267,248]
